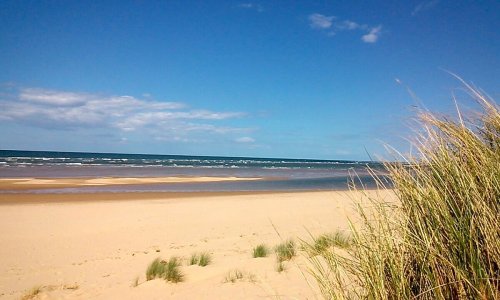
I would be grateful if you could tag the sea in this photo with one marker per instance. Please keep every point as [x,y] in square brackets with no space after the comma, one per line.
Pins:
[277,174]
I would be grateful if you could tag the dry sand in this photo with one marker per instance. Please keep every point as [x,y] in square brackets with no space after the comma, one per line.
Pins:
[94,246]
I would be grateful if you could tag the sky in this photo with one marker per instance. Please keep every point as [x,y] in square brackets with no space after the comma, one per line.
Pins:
[289,79]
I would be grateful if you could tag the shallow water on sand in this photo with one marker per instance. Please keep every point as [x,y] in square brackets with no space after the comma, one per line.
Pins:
[276,174]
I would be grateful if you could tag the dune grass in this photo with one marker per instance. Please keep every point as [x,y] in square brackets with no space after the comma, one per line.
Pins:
[73,286]
[32,293]
[201,259]
[155,269]
[280,266]
[326,241]
[234,276]
[168,270]
[260,251]
[194,259]
[441,238]
[35,291]
[285,251]
[135,283]
[205,259]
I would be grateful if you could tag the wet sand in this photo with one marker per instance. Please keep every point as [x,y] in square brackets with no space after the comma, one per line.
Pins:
[51,183]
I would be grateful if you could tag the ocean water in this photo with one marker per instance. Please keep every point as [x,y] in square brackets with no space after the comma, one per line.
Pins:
[278,174]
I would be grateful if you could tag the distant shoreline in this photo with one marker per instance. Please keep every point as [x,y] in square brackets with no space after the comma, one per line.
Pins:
[175,184]
[36,198]
[73,172]
[50,183]
[55,154]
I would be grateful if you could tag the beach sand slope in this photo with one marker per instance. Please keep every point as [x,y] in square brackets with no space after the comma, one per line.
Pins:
[98,246]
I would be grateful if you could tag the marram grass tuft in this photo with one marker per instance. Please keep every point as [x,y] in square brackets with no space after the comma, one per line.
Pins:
[440,239]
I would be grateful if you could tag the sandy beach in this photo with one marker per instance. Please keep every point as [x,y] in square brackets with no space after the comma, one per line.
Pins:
[249,150]
[95,246]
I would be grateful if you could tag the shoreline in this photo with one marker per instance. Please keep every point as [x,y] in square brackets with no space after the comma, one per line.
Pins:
[36,183]
[45,198]
[175,185]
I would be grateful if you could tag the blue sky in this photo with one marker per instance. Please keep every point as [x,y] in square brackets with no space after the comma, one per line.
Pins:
[302,79]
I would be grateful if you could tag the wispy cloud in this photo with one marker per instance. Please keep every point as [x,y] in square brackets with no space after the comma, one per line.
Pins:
[319,21]
[72,110]
[348,25]
[333,25]
[252,6]
[52,97]
[423,6]
[245,139]
[372,36]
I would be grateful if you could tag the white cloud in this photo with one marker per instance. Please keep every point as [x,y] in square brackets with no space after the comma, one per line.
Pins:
[423,6]
[69,110]
[250,5]
[348,25]
[333,25]
[319,21]
[245,139]
[373,35]
[52,97]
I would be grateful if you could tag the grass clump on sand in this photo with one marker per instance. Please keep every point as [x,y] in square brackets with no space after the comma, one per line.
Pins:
[73,286]
[440,239]
[32,293]
[280,267]
[237,275]
[326,241]
[205,259]
[168,270]
[135,283]
[201,259]
[260,251]
[194,259]
[233,276]
[285,251]
[35,291]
